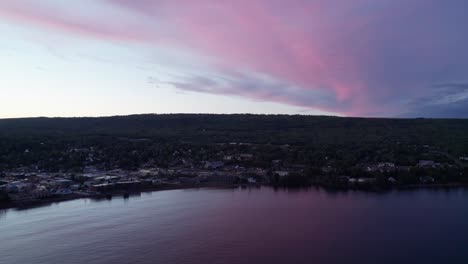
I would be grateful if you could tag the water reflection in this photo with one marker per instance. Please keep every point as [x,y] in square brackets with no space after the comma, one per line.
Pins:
[3,213]
[330,192]
[243,225]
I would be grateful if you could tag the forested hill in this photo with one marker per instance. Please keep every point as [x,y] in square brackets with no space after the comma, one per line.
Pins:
[449,134]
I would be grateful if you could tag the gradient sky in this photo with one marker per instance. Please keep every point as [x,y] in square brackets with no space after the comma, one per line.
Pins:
[390,58]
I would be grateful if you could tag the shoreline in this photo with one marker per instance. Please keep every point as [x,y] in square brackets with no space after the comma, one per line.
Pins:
[39,203]
[75,196]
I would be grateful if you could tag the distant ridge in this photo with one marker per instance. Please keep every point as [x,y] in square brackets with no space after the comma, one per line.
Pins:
[274,129]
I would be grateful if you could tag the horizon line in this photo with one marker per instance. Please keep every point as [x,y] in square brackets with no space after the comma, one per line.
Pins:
[225,114]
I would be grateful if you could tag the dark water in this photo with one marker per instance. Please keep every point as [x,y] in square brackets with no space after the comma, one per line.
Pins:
[243,226]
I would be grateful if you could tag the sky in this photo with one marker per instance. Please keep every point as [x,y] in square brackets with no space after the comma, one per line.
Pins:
[371,58]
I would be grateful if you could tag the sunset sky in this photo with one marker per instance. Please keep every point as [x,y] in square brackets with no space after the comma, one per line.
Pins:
[388,58]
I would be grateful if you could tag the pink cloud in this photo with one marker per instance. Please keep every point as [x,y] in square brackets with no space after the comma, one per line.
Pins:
[32,13]
[288,42]
[365,53]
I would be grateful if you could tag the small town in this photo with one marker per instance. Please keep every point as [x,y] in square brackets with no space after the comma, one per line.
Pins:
[231,166]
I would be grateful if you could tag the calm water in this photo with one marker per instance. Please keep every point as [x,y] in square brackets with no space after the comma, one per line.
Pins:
[243,226]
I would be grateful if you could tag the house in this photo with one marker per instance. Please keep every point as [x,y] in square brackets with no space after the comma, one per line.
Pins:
[18,186]
[63,192]
[366,180]
[328,169]
[392,180]
[37,194]
[276,163]
[282,173]
[251,180]
[107,178]
[260,172]
[426,164]
[157,182]
[88,184]
[386,166]
[426,180]
[75,187]
[214,164]
[64,183]
[40,193]
[245,156]
[105,187]
[43,176]
[403,168]
[91,170]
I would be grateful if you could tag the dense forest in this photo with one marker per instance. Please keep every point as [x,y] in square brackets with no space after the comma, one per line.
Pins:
[274,129]
[316,141]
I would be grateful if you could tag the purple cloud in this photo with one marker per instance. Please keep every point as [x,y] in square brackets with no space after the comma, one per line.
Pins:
[354,57]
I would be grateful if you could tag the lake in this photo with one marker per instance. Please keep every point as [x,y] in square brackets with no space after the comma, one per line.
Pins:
[243,226]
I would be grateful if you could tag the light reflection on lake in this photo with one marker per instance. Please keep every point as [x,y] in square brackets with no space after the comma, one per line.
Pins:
[243,226]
